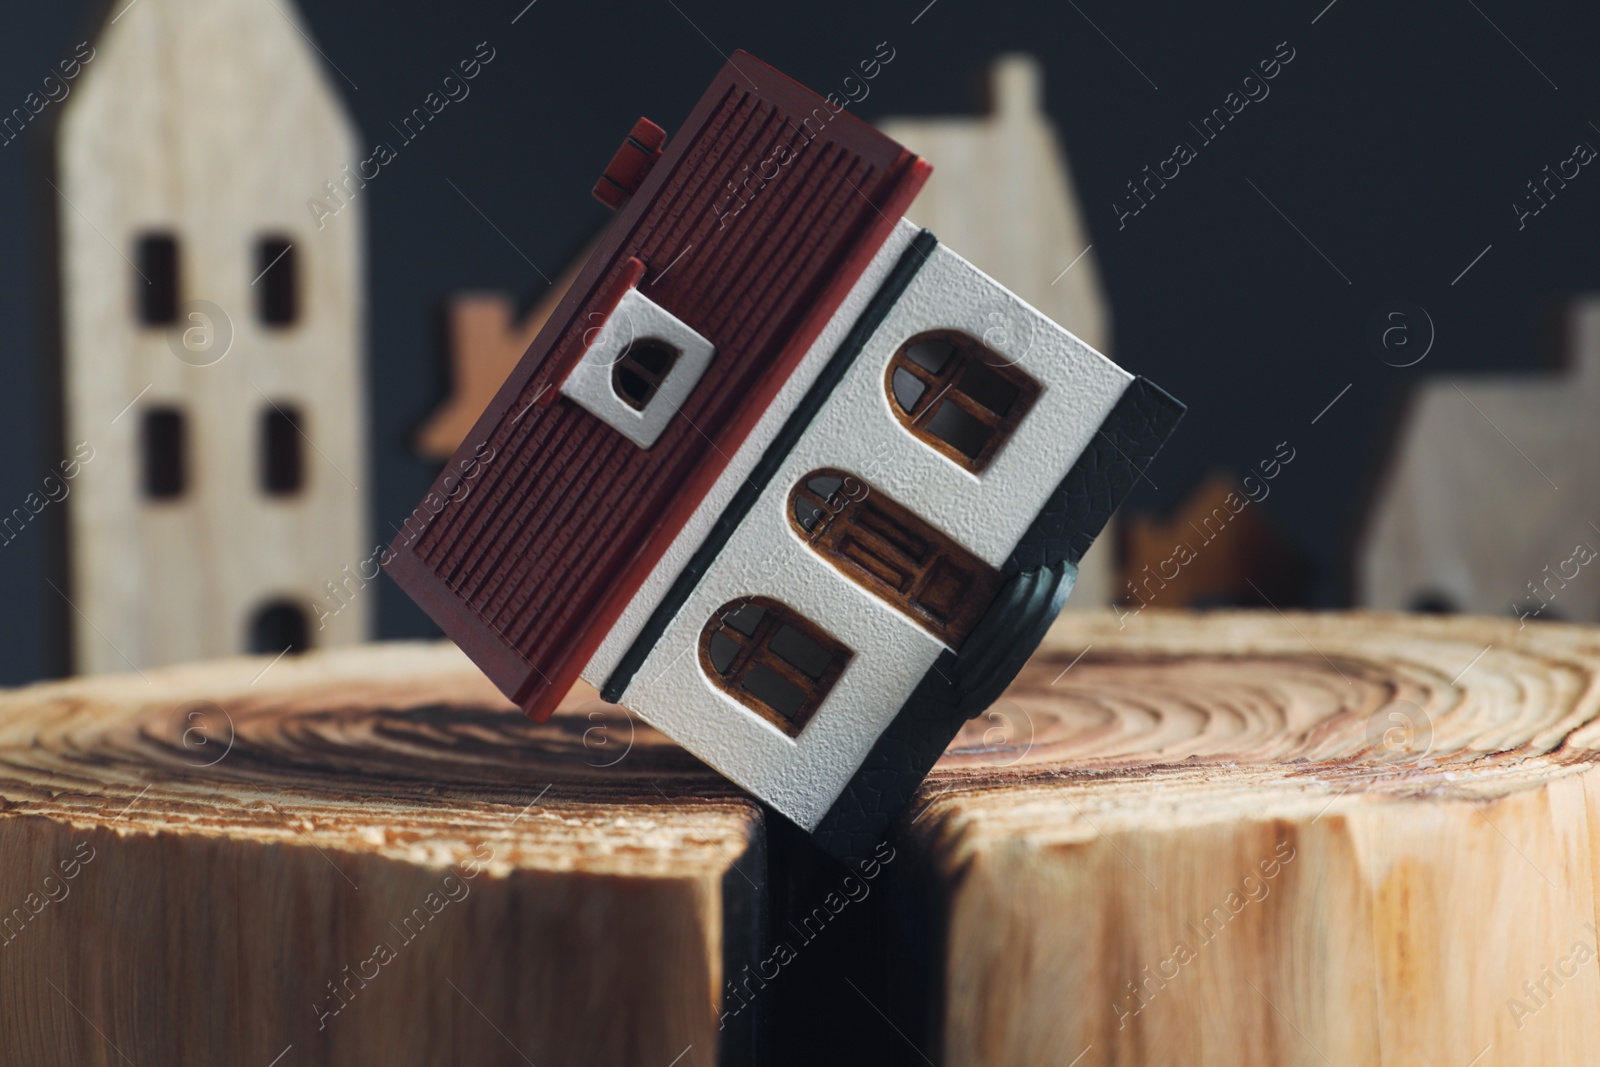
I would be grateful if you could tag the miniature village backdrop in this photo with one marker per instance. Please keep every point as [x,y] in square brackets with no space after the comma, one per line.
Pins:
[1356,241]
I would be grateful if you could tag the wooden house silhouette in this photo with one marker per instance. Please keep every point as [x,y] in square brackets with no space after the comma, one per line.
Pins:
[211,340]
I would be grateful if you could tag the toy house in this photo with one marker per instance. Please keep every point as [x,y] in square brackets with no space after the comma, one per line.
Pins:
[769,476]
[1425,544]
[210,340]
[1003,194]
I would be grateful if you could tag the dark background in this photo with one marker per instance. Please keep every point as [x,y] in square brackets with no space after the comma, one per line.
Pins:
[1396,140]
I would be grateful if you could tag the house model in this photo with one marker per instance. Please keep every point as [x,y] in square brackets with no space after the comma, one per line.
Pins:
[768,477]
[210,340]
[1534,439]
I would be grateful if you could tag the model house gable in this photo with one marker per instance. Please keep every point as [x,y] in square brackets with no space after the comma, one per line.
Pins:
[545,571]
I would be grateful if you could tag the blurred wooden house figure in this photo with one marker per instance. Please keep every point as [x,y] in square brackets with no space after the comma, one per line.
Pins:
[211,340]
[1489,501]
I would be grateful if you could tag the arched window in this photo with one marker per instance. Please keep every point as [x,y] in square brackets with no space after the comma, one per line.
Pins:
[894,553]
[958,396]
[641,370]
[772,660]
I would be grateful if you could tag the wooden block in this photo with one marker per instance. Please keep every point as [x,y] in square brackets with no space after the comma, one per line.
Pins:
[1237,838]
[1248,838]
[198,352]
[1529,443]
[360,857]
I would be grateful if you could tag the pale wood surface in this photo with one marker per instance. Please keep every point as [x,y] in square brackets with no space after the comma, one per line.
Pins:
[237,838]
[1374,837]
[1096,818]
[214,120]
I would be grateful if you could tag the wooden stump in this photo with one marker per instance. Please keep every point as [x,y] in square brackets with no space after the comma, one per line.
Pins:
[1238,838]
[1249,838]
[364,857]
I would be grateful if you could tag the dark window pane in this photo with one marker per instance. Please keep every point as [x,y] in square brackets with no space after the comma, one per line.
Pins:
[782,668]
[282,467]
[278,627]
[1433,602]
[958,429]
[634,390]
[723,649]
[806,513]
[163,441]
[746,619]
[277,282]
[652,357]
[157,281]
[907,388]
[982,384]
[930,355]
[641,370]
[800,652]
[934,371]
[775,691]
[825,485]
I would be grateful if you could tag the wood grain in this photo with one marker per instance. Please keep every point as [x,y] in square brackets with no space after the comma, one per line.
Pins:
[1248,838]
[243,835]
[1235,838]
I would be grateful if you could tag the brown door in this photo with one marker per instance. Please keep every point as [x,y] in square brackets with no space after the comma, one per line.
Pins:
[890,550]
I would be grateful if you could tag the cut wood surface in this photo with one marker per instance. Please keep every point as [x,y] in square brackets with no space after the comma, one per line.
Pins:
[359,857]
[1249,838]
[1239,838]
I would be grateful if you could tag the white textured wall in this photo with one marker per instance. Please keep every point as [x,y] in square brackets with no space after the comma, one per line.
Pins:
[857,431]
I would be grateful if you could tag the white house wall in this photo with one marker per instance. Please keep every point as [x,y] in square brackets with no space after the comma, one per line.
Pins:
[1002,194]
[689,539]
[213,120]
[857,431]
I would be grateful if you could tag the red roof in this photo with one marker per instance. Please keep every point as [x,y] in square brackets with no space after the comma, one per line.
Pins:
[565,517]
